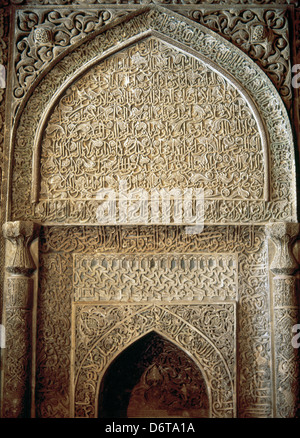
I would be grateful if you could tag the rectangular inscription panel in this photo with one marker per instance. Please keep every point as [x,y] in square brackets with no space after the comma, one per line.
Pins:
[172,277]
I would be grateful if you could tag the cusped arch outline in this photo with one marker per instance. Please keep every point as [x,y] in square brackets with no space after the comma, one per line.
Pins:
[219,380]
[219,55]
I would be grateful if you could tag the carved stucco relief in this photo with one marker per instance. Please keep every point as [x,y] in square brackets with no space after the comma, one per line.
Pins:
[4,31]
[244,246]
[178,323]
[261,33]
[43,35]
[145,2]
[3,58]
[297,61]
[154,277]
[158,119]
[18,299]
[157,391]
[271,110]
[58,292]
[285,299]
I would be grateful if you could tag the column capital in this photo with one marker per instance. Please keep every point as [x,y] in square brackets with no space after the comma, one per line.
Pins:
[283,235]
[18,258]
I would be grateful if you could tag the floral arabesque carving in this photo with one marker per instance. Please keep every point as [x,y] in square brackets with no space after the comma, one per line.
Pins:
[4,31]
[163,365]
[261,33]
[3,58]
[41,36]
[255,394]
[284,266]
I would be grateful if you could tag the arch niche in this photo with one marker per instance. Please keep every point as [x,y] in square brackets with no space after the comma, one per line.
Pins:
[216,368]
[153,378]
[259,183]
[265,192]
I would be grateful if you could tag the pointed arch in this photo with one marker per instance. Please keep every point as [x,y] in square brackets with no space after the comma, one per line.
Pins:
[125,383]
[279,203]
[215,369]
[178,46]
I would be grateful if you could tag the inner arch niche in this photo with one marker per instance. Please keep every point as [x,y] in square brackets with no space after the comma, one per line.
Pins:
[153,378]
[158,118]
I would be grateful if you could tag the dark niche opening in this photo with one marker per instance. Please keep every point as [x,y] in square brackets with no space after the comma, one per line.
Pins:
[153,378]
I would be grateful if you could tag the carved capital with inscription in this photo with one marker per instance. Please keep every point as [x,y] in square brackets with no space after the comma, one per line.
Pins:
[283,235]
[20,234]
